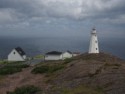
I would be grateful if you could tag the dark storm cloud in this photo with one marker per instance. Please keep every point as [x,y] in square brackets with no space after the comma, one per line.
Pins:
[77,9]
[34,13]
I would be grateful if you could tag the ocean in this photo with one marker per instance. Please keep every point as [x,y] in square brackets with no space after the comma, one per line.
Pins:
[41,45]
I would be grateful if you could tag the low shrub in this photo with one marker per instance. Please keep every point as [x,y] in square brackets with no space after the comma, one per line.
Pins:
[68,60]
[22,66]
[30,89]
[10,69]
[47,69]
[55,68]
[80,90]
[5,71]
[40,69]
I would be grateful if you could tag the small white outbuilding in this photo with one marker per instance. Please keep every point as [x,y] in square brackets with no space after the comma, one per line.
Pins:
[66,55]
[54,55]
[75,53]
[17,54]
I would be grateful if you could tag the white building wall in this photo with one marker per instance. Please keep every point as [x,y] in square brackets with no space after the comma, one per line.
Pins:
[15,56]
[66,55]
[93,48]
[24,57]
[53,57]
[75,54]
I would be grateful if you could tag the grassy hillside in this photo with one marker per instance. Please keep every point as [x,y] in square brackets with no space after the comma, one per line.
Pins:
[85,74]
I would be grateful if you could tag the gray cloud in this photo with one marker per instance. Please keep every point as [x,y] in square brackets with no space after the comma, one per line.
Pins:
[64,8]
[42,13]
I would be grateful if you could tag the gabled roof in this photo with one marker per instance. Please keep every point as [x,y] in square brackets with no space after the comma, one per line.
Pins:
[20,51]
[54,53]
[69,52]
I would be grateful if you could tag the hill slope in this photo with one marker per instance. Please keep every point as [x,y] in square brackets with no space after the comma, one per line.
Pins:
[85,74]
[99,71]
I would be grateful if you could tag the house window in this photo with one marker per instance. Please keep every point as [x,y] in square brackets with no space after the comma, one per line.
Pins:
[14,53]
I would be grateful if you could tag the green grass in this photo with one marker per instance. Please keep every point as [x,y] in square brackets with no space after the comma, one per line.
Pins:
[12,68]
[40,69]
[11,62]
[30,89]
[82,90]
[3,62]
[55,68]
[68,60]
[47,69]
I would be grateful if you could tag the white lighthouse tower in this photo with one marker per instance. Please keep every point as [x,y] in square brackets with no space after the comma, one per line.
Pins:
[93,47]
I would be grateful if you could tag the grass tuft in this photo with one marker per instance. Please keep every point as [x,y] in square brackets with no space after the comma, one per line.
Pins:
[68,60]
[11,69]
[47,69]
[79,90]
[30,89]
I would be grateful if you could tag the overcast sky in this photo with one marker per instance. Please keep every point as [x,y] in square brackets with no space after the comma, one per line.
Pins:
[62,17]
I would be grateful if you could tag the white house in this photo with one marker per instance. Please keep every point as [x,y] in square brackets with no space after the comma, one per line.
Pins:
[66,55]
[17,54]
[54,55]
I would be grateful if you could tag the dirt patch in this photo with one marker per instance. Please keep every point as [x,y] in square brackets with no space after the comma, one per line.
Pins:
[19,79]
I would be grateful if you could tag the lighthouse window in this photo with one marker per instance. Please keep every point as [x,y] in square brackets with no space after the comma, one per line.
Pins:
[96,48]
[95,41]
[13,52]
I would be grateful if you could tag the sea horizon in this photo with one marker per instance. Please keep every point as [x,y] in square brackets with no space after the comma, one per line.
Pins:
[40,45]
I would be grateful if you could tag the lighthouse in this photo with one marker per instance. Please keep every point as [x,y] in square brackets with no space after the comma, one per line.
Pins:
[93,47]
